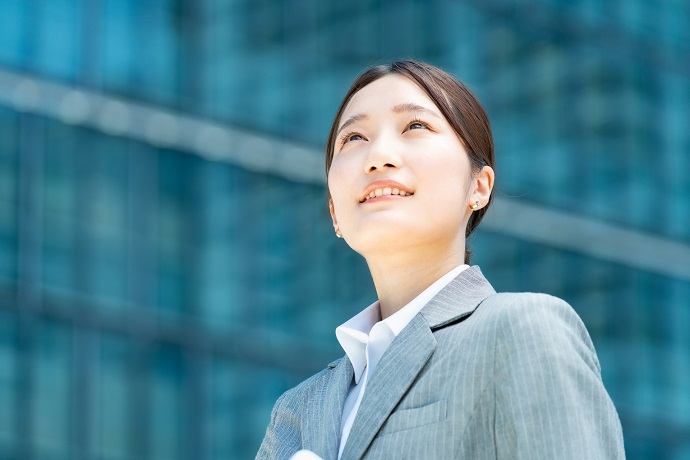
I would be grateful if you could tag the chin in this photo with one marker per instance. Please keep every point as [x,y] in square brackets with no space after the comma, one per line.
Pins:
[400,237]
[385,238]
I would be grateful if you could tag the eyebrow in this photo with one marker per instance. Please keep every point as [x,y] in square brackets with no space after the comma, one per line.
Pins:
[352,119]
[400,108]
[410,107]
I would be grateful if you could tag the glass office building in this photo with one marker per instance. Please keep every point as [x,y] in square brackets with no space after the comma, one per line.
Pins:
[167,263]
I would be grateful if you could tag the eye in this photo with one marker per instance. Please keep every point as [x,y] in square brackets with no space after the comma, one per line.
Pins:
[349,137]
[417,124]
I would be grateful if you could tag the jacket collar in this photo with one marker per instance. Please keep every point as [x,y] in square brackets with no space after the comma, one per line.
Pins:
[407,355]
[458,299]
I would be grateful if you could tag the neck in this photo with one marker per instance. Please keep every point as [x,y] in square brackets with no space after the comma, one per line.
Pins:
[400,277]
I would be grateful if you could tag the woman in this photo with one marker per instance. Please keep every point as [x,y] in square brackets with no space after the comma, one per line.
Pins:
[441,366]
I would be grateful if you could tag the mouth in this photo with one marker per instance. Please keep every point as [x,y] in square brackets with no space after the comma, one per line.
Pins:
[383,192]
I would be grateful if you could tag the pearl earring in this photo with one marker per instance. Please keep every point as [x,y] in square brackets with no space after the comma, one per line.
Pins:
[474,205]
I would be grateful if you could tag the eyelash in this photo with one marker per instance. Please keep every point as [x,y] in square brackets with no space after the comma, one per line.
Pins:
[417,121]
[343,139]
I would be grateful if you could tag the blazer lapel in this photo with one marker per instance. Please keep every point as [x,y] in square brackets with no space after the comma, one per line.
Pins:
[394,374]
[409,352]
[321,429]
[458,299]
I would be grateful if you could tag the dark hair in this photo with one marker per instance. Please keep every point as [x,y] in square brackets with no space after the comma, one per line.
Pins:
[458,105]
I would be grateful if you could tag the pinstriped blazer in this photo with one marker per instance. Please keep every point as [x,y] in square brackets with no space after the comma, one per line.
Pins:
[475,375]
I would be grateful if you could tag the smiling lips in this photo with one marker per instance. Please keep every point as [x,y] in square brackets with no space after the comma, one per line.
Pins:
[384,189]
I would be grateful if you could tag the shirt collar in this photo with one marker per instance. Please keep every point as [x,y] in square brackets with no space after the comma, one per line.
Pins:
[353,335]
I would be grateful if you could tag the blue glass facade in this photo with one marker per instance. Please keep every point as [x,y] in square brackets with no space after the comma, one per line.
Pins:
[167,263]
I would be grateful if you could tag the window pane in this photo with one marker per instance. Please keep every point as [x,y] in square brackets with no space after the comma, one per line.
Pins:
[51,391]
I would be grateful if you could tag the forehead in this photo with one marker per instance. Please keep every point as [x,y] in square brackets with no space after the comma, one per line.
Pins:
[383,94]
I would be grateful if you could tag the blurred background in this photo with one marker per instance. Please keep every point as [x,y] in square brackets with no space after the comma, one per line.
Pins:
[167,263]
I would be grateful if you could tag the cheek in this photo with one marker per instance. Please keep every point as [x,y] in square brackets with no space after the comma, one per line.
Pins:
[448,172]
[337,182]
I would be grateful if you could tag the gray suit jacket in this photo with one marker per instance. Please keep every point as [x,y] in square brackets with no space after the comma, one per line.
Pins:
[475,375]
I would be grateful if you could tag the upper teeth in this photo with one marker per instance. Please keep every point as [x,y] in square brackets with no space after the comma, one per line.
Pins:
[387,191]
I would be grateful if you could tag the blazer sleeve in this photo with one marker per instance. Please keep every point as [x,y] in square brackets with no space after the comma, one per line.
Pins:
[283,433]
[549,396]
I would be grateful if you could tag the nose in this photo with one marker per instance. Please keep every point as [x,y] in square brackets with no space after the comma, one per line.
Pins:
[383,154]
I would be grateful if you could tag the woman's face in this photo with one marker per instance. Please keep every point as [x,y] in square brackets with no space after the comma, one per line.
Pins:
[400,177]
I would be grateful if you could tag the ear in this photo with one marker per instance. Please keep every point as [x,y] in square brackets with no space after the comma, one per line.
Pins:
[331,208]
[483,183]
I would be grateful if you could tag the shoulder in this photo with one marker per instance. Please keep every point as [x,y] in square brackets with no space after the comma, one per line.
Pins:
[548,394]
[539,324]
[516,329]
[292,402]
[526,302]
[293,399]
[529,308]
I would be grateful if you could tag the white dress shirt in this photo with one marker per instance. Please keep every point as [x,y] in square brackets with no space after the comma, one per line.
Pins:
[366,337]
